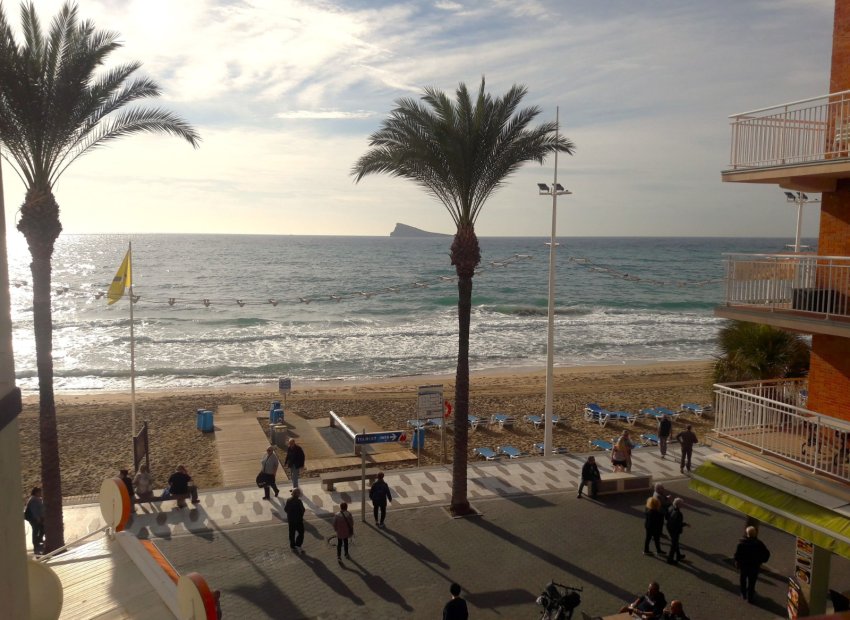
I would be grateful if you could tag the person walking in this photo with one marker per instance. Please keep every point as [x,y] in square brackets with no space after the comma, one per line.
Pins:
[621,454]
[380,494]
[268,467]
[627,445]
[750,554]
[294,509]
[344,527]
[590,476]
[294,460]
[143,483]
[663,498]
[654,525]
[456,608]
[34,515]
[665,429]
[687,438]
[675,525]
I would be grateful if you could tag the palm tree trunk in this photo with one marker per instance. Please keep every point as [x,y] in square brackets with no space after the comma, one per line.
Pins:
[40,225]
[466,255]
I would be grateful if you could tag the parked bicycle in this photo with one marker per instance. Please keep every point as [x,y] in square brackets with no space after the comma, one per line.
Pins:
[559,601]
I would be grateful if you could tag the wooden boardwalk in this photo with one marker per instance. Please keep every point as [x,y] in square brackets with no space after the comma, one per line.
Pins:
[241,445]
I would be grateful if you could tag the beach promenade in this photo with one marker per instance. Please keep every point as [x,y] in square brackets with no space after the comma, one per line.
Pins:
[531,529]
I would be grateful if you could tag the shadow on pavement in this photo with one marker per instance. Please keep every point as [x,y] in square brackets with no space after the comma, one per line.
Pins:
[379,586]
[330,578]
[500,598]
[412,549]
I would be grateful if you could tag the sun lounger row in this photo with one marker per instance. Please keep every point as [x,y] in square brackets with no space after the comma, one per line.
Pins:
[501,419]
[659,412]
[488,454]
[607,446]
[538,420]
[425,423]
[595,413]
[695,409]
[538,447]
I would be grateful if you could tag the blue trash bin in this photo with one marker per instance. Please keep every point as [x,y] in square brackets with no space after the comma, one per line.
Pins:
[277,416]
[199,419]
[207,421]
[418,440]
[275,405]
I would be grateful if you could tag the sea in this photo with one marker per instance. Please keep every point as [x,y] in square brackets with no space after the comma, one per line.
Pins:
[221,310]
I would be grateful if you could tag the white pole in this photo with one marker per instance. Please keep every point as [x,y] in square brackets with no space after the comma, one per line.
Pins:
[799,202]
[132,348]
[550,340]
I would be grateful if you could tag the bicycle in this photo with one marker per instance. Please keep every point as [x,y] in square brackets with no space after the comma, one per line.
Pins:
[559,601]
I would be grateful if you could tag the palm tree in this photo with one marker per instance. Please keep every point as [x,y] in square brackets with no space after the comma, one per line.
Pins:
[750,352]
[460,152]
[55,106]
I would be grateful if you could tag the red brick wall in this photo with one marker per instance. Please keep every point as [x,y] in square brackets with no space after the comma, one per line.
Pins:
[840,77]
[829,376]
[834,238]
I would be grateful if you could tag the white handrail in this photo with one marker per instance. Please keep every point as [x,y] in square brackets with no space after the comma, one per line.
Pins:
[792,103]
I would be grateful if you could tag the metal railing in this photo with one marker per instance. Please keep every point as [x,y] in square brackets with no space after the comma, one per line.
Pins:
[769,417]
[805,131]
[800,282]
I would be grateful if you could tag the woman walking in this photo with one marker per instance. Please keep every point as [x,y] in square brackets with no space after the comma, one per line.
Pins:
[344,527]
[654,525]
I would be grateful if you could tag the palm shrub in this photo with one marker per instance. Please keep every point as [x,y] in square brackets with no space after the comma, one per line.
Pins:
[751,352]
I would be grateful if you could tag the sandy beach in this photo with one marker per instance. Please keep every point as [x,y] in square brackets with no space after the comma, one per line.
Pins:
[94,427]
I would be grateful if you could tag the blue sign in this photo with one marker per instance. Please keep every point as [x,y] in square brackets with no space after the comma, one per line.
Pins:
[387,437]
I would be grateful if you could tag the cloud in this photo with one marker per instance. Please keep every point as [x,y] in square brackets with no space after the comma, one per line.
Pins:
[323,114]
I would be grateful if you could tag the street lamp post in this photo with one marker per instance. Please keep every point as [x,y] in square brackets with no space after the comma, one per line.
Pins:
[800,199]
[555,191]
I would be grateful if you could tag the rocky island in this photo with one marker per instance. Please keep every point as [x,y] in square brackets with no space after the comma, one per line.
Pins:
[403,230]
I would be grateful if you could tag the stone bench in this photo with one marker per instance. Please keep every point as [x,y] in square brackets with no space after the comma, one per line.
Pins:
[624,482]
[329,480]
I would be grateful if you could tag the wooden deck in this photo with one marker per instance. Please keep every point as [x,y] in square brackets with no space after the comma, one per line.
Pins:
[241,445]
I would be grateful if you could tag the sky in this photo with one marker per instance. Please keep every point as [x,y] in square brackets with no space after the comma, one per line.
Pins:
[286,93]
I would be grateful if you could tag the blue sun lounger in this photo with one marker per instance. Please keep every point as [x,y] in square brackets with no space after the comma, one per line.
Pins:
[538,420]
[650,439]
[695,409]
[417,423]
[601,444]
[502,420]
[595,413]
[658,412]
[436,422]
[509,451]
[486,453]
[475,421]
[538,447]
[623,416]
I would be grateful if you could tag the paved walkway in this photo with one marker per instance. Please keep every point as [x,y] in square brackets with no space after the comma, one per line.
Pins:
[227,508]
[240,443]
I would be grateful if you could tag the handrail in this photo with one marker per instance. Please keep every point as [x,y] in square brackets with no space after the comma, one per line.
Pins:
[335,418]
[67,546]
[785,105]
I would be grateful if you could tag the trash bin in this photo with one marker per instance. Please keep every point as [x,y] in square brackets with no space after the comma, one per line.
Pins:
[279,435]
[277,416]
[418,440]
[275,405]
[207,421]
[199,419]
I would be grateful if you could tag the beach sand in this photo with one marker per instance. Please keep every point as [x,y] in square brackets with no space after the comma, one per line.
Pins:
[94,427]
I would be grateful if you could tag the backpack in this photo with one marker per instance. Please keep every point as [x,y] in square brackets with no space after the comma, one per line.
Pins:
[28,513]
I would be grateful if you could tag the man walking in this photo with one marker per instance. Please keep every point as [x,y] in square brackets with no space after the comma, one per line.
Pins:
[380,494]
[294,460]
[750,554]
[590,476]
[687,438]
[34,515]
[665,429]
[675,525]
[269,466]
[294,509]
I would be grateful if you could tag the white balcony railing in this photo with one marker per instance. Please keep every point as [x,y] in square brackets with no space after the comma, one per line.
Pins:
[769,417]
[800,132]
[801,282]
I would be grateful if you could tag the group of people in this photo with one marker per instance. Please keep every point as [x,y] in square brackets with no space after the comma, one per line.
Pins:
[270,463]
[141,487]
[653,604]
[662,509]
[687,439]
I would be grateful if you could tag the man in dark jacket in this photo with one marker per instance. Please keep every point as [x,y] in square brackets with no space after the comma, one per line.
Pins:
[590,476]
[675,525]
[687,438]
[34,515]
[180,486]
[380,494]
[294,460]
[750,554]
[294,509]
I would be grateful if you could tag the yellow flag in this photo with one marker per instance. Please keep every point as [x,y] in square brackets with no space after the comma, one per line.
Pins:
[121,280]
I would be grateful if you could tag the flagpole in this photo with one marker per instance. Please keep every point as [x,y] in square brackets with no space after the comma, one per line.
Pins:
[132,346]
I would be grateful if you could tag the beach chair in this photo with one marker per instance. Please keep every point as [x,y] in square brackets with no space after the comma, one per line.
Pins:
[538,447]
[623,416]
[417,424]
[595,413]
[435,422]
[475,421]
[536,420]
[502,420]
[658,412]
[649,439]
[695,409]
[486,453]
[509,451]
[601,444]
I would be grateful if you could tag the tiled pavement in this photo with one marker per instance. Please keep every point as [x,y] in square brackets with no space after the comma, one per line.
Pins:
[227,508]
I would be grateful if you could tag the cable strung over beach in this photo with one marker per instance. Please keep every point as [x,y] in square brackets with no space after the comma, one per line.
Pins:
[589,265]
[333,297]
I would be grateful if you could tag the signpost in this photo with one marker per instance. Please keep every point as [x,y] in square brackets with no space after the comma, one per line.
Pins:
[284,386]
[428,405]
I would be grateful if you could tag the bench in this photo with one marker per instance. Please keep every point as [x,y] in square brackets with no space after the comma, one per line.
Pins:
[329,480]
[624,482]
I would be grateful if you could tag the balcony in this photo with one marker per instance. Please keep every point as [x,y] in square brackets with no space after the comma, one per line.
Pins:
[802,292]
[767,419]
[803,145]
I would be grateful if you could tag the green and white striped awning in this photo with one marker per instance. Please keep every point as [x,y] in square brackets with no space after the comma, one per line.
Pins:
[821,524]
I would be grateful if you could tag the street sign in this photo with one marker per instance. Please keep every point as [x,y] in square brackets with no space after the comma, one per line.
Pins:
[385,437]
[284,385]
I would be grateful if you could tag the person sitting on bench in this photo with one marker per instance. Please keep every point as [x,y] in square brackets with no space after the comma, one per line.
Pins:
[180,486]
